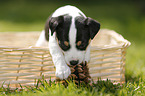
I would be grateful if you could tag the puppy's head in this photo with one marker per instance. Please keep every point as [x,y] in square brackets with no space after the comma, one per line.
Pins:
[73,35]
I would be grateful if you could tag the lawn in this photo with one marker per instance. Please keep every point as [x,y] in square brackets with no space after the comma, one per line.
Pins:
[127,17]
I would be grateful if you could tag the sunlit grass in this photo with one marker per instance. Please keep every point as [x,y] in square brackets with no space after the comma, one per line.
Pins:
[135,62]
[96,89]
[6,26]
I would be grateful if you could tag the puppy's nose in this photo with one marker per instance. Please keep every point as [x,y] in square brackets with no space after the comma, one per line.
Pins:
[74,62]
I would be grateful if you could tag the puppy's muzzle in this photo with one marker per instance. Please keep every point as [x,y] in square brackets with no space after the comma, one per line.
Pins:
[74,62]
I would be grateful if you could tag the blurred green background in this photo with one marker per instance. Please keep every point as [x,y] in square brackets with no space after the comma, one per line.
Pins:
[124,16]
[127,17]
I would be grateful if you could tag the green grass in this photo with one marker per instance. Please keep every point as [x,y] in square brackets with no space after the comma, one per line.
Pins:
[135,60]
[124,16]
[20,27]
[96,89]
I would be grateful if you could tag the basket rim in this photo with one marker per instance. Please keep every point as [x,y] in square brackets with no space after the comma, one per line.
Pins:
[125,44]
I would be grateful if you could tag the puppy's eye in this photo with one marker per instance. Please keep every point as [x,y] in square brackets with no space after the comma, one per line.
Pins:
[66,43]
[79,43]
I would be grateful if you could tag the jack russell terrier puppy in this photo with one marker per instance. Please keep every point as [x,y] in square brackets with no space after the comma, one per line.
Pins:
[69,33]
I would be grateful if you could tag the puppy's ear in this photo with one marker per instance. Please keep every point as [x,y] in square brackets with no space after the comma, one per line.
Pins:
[54,22]
[93,25]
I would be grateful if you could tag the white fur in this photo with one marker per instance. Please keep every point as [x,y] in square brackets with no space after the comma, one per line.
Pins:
[71,10]
[87,54]
[42,41]
[59,57]
[62,70]
[73,53]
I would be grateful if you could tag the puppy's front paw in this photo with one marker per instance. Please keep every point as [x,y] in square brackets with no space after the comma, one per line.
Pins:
[62,72]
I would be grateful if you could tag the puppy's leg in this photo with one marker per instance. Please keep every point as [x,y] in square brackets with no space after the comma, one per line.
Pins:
[42,42]
[62,70]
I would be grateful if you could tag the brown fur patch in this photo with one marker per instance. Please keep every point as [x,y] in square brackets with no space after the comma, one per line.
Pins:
[66,43]
[79,43]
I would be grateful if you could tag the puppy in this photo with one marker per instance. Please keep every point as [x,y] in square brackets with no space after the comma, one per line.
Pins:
[69,33]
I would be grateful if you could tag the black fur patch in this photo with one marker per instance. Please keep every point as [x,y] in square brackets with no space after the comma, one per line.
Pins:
[61,25]
[87,28]
[93,25]
[82,33]
[47,30]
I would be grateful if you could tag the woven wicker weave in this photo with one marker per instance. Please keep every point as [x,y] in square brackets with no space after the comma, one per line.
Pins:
[25,65]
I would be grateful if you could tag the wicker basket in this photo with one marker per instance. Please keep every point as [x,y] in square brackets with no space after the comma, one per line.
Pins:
[25,65]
